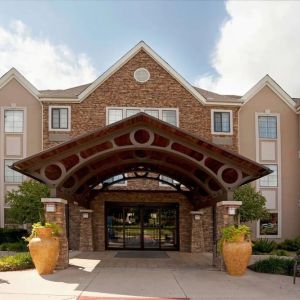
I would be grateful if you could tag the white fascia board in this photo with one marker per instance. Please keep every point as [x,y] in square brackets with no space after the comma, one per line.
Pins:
[62,100]
[126,58]
[239,103]
[269,82]
[15,74]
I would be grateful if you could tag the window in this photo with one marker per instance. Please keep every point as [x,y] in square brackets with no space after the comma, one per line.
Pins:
[270,180]
[269,226]
[60,118]
[222,122]
[267,127]
[167,179]
[131,112]
[152,112]
[14,120]
[11,176]
[115,115]
[169,116]
[114,178]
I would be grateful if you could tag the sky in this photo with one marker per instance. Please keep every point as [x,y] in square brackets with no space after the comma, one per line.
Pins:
[223,46]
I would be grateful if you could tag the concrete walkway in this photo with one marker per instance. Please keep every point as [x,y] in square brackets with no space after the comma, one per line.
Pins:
[100,274]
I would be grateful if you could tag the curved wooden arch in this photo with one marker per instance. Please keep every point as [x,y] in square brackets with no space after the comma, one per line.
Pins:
[141,141]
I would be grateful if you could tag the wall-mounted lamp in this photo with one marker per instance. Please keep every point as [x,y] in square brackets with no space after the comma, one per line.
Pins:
[50,207]
[85,215]
[231,211]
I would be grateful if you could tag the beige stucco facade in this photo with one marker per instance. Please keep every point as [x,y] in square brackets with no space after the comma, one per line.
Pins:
[267,103]
[17,145]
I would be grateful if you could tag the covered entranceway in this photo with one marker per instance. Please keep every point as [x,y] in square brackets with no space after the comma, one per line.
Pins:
[140,148]
[141,226]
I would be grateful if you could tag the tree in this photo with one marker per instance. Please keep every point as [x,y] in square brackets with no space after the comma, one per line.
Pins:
[25,203]
[253,204]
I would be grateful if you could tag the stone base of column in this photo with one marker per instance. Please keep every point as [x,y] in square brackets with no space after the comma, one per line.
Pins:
[86,230]
[197,236]
[225,215]
[57,215]
[63,258]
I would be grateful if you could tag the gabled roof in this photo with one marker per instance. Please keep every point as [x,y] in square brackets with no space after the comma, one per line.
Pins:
[140,46]
[79,93]
[274,86]
[15,74]
[67,93]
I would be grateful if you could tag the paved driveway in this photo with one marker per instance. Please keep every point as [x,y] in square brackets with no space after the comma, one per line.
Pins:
[183,275]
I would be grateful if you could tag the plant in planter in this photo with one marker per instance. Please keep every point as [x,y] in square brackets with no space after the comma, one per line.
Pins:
[236,248]
[44,246]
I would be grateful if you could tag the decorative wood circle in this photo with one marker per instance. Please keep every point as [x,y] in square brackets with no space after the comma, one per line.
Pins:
[230,175]
[53,172]
[142,136]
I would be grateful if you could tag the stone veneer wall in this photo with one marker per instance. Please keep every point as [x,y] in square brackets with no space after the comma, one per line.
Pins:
[208,226]
[185,218]
[161,91]
[74,226]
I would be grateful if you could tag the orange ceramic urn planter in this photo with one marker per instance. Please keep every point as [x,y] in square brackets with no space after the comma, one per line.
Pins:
[44,250]
[236,256]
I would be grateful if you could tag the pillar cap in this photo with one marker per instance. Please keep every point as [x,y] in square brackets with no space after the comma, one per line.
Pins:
[86,210]
[54,200]
[229,203]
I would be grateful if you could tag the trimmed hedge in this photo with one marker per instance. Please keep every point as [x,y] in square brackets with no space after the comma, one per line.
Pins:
[9,235]
[17,246]
[274,265]
[290,245]
[20,261]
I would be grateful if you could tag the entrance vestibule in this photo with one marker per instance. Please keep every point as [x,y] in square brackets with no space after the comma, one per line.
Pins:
[142,226]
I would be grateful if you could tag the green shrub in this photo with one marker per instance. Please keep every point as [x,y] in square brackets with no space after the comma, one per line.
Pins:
[280,252]
[16,262]
[263,246]
[290,245]
[17,246]
[9,235]
[274,265]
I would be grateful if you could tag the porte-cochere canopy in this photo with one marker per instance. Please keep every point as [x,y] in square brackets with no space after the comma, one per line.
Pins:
[140,145]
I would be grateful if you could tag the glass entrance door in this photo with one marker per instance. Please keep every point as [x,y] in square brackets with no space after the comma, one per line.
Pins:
[141,226]
[151,228]
[132,228]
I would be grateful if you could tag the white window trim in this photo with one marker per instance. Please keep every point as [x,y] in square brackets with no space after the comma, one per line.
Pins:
[212,122]
[4,176]
[3,157]
[24,119]
[269,186]
[270,236]
[278,162]
[160,109]
[267,115]
[50,117]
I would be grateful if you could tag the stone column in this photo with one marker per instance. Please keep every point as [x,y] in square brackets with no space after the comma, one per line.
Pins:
[86,230]
[55,212]
[225,215]
[197,235]
[74,225]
